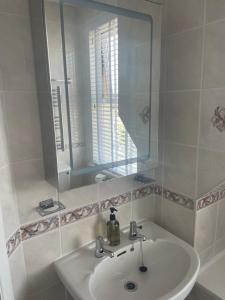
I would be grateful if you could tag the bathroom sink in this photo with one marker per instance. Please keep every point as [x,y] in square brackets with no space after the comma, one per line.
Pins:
[172,269]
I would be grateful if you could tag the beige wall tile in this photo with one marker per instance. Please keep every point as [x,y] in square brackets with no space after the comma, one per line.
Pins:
[179,168]
[4,143]
[211,170]
[178,220]
[183,56]
[210,136]
[162,105]
[16,56]
[55,292]
[164,19]
[52,11]
[23,125]
[79,233]
[118,186]
[183,15]
[159,210]
[18,7]
[8,202]
[219,246]
[215,10]
[220,230]
[205,228]
[143,209]
[80,196]
[18,273]
[163,65]
[181,117]
[40,253]
[31,188]
[214,62]
[206,255]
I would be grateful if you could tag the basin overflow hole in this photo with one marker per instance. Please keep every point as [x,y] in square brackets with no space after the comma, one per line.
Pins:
[121,253]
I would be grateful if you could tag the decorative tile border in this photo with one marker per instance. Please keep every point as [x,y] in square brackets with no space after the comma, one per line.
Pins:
[79,213]
[45,225]
[37,228]
[115,201]
[13,242]
[34,229]
[213,196]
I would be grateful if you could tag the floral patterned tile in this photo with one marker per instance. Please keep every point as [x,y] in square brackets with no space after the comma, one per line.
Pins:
[13,242]
[37,228]
[204,202]
[115,201]
[79,213]
[143,191]
[179,199]
[158,190]
[218,120]
[213,196]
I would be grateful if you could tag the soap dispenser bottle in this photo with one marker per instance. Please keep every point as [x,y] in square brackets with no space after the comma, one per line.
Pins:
[113,229]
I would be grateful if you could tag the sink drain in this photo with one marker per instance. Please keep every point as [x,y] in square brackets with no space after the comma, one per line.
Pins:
[131,286]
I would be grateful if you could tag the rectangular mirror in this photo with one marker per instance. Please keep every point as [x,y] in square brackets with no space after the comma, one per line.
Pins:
[100,73]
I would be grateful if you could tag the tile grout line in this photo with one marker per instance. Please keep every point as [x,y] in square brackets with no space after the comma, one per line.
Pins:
[216,228]
[162,215]
[200,100]
[199,121]
[177,34]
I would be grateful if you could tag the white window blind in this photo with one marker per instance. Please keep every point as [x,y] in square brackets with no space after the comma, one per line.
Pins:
[110,140]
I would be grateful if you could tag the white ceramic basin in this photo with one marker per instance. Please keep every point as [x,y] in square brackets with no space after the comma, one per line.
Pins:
[172,265]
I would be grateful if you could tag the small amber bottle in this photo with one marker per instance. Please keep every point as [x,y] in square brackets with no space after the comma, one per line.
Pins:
[113,229]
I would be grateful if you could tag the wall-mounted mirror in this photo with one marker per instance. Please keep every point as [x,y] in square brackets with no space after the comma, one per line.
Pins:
[100,74]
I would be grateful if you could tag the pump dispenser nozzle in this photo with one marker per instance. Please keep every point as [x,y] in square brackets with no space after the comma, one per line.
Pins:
[112,215]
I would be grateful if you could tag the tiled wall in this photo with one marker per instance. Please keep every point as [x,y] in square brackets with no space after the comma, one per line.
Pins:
[210,234]
[192,116]
[191,149]
[17,115]
[209,230]
[34,243]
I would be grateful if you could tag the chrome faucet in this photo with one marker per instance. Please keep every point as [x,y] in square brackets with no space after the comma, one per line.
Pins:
[100,251]
[134,234]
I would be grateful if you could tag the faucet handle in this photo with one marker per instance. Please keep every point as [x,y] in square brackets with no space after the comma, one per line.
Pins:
[100,251]
[99,242]
[134,230]
[134,226]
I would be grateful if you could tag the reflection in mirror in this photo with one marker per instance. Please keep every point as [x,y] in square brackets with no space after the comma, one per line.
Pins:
[100,72]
